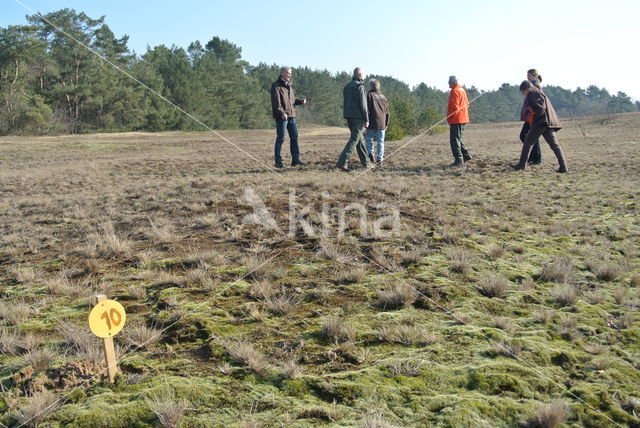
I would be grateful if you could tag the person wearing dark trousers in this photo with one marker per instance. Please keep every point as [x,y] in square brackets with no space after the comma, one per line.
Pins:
[544,122]
[457,117]
[357,114]
[536,154]
[283,102]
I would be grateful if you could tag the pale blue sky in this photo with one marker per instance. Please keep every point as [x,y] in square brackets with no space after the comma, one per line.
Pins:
[572,43]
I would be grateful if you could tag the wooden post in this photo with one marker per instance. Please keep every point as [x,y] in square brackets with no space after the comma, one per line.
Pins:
[109,350]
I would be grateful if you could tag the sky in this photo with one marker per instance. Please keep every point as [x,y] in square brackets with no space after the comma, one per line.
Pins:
[485,43]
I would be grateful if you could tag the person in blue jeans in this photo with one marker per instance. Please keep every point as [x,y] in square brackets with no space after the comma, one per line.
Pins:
[378,107]
[283,102]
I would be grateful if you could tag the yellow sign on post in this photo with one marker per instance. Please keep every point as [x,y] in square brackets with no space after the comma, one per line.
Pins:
[106,320]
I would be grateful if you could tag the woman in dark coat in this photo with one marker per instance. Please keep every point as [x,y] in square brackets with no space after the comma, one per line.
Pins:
[536,155]
[544,122]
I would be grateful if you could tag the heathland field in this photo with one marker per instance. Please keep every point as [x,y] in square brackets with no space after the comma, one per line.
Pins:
[412,295]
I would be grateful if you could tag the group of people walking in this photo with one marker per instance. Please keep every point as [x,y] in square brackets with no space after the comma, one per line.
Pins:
[367,115]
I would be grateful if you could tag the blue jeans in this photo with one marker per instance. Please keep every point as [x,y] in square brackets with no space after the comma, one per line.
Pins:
[290,126]
[379,135]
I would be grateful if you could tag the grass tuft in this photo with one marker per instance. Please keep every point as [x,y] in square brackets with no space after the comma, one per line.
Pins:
[493,286]
[397,296]
[559,270]
[168,409]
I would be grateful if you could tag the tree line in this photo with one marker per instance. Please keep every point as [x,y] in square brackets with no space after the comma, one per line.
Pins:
[51,84]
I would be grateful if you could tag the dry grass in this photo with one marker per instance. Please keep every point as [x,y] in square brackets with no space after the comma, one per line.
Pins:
[262,290]
[595,297]
[564,295]
[567,327]
[504,323]
[627,320]
[559,270]
[39,359]
[407,335]
[549,415]
[544,316]
[194,252]
[282,303]
[349,274]
[245,352]
[497,251]
[291,369]
[397,296]
[505,349]
[108,242]
[137,291]
[38,408]
[601,363]
[82,343]
[167,407]
[10,341]
[619,295]
[603,270]
[461,261]
[461,319]
[336,330]
[406,367]
[493,286]
[374,419]
[16,311]
[141,336]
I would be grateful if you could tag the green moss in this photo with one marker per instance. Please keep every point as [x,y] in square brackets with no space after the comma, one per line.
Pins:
[295,387]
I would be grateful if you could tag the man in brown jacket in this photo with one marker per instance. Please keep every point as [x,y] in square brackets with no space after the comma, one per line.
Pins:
[283,102]
[544,122]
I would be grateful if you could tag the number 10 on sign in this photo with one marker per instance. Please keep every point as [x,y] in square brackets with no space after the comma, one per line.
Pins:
[107,318]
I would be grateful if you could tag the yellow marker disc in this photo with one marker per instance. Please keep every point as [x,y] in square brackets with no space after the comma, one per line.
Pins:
[107,318]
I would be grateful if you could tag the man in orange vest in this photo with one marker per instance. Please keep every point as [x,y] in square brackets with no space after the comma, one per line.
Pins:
[457,116]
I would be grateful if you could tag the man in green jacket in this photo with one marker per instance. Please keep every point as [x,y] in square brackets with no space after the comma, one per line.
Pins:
[357,115]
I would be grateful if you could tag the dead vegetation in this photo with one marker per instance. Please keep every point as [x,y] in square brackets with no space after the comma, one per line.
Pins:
[527,278]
